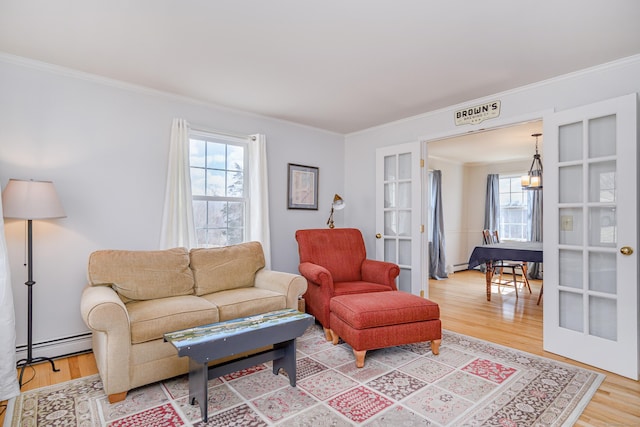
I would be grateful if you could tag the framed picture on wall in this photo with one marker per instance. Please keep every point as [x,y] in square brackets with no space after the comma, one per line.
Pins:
[302,187]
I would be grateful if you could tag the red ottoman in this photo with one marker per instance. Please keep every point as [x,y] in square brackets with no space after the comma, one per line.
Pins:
[384,319]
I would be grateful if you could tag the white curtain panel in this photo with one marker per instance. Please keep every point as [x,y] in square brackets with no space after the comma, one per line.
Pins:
[259,196]
[9,387]
[178,228]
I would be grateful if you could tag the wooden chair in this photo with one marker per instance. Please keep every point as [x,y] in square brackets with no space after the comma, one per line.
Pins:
[499,266]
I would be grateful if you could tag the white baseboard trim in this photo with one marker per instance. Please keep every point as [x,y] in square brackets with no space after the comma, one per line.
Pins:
[57,348]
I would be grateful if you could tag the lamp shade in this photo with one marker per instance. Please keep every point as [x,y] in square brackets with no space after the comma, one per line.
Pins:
[23,199]
[338,202]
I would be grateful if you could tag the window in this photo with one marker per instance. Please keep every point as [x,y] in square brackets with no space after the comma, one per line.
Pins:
[514,222]
[219,186]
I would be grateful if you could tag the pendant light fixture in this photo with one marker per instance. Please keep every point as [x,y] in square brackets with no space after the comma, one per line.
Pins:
[533,180]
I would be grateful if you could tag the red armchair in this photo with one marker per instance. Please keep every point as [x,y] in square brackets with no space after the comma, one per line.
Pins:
[334,263]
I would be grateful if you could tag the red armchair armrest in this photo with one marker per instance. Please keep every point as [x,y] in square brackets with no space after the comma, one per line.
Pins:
[381,272]
[316,275]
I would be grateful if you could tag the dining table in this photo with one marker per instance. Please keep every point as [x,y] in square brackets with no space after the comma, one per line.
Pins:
[512,250]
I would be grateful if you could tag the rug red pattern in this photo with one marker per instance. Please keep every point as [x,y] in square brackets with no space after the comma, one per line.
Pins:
[489,370]
[161,416]
[359,404]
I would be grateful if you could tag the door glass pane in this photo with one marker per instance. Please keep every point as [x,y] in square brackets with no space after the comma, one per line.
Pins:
[602,136]
[404,195]
[602,272]
[390,223]
[404,166]
[404,254]
[390,195]
[571,226]
[571,311]
[570,184]
[390,250]
[404,223]
[602,182]
[570,266]
[603,317]
[603,230]
[570,142]
[389,168]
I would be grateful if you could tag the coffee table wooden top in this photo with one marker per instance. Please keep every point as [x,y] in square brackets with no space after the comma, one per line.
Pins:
[222,330]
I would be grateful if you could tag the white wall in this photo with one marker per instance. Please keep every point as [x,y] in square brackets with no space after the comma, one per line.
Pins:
[105,146]
[526,103]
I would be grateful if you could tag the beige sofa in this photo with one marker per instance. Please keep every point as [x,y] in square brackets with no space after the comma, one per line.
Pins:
[134,297]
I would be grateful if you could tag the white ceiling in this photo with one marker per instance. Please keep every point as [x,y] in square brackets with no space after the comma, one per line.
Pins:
[340,65]
[505,144]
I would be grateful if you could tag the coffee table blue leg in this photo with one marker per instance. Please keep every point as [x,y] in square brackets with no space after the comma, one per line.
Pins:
[198,378]
[288,361]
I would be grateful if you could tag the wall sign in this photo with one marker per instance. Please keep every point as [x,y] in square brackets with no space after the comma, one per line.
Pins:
[477,114]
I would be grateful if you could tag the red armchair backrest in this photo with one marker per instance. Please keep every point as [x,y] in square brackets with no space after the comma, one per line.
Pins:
[339,250]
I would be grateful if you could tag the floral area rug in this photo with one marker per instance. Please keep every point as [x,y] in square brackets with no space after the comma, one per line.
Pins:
[471,382]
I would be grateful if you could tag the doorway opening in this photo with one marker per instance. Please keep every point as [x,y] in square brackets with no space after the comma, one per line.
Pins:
[465,161]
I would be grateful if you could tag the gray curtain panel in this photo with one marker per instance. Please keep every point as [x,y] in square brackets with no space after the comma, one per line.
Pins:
[535,235]
[437,261]
[492,203]
[491,206]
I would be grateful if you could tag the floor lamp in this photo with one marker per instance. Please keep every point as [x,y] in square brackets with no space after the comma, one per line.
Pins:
[31,200]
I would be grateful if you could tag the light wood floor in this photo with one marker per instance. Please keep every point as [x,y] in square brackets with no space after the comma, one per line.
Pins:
[464,309]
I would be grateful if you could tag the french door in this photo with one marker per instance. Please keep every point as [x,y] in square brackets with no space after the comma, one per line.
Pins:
[398,214]
[591,235]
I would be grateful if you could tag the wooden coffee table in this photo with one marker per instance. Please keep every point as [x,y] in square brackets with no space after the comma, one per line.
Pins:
[203,344]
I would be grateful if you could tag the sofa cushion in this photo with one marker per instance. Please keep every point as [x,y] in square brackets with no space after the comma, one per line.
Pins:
[143,275]
[244,302]
[150,320]
[230,267]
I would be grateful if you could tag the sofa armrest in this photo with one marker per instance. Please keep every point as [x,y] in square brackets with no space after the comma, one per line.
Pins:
[288,284]
[317,275]
[381,272]
[107,317]
[102,310]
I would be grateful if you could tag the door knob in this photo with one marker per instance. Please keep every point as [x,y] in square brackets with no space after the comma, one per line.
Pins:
[378,236]
[626,250]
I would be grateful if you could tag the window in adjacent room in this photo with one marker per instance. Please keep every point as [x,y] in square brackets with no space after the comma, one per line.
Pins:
[219,186]
[514,223]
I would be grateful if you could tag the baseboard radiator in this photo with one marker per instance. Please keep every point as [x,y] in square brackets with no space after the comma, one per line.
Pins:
[57,348]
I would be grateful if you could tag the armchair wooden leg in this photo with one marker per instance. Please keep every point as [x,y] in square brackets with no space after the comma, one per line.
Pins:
[117,397]
[335,339]
[327,334]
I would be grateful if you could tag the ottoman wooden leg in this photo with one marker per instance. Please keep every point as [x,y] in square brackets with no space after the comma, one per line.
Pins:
[435,346]
[359,357]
